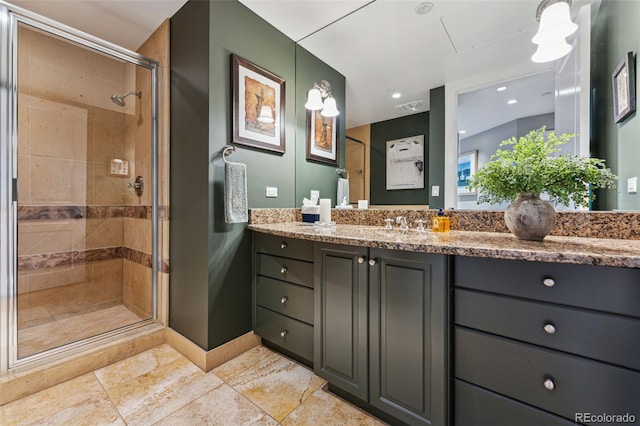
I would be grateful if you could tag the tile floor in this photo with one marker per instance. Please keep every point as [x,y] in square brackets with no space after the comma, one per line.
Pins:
[162,387]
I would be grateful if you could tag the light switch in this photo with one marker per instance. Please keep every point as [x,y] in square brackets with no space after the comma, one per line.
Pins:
[272,192]
[315,194]
[632,185]
[435,191]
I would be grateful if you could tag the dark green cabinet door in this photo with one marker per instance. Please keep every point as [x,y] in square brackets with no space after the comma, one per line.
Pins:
[340,332]
[408,335]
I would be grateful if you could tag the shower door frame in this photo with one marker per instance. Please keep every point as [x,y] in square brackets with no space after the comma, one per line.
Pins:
[10,18]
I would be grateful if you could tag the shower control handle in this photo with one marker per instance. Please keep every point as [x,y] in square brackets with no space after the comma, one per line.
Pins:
[138,186]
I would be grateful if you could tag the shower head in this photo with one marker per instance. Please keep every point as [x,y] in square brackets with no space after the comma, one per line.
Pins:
[119,99]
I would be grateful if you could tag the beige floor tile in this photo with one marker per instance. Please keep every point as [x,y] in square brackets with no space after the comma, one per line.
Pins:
[243,362]
[277,385]
[221,406]
[323,408]
[147,397]
[80,401]
[40,338]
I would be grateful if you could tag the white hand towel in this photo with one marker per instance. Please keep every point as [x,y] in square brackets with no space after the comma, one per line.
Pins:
[343,191]
[235,193]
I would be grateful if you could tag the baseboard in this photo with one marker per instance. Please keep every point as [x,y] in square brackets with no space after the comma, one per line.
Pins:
[208,360]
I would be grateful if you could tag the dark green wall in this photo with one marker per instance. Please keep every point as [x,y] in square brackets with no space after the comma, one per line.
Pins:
[189,183]
[309,175]
[436,146]
[210,296]
[381,132]
[615,32]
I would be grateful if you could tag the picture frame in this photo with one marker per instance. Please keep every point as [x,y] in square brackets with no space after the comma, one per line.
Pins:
[623,80]
[253,89]
[467,167]
[405,162]
[322,138]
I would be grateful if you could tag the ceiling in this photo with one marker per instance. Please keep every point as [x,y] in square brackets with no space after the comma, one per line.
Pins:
[380,46]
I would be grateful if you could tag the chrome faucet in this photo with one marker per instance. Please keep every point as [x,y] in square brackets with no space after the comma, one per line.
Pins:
[402,221]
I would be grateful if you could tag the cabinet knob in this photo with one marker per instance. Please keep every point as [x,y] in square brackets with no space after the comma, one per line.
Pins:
[283,269]
[549,328]
[372,262]
[549,385]
[361,259]
[283,245]
[549,282]
[283,333]
[284,299]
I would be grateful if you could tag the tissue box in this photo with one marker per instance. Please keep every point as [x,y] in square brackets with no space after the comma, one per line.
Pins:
[310,214]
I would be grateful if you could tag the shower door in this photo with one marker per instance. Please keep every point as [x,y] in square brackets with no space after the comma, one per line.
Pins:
[84,212]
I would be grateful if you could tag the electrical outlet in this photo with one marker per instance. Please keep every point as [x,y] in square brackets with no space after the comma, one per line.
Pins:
[315,193]
[435,191]
[271,192]
[632,185]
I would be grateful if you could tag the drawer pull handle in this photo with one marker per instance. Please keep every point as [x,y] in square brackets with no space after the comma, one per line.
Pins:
[361,259]
[549,385]
[283,269]
[283,333]
[549,282]
[549,328]
[372,262]
[283,245]
[284,300]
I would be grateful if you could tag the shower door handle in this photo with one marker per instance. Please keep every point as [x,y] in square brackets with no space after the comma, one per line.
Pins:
[14,190]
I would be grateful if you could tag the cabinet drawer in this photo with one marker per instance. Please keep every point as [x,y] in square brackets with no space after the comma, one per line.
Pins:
[601,336]
[298,336]
[523,371]
[475,406]
[281,268]
[602,288]
[282,246]
[288,299]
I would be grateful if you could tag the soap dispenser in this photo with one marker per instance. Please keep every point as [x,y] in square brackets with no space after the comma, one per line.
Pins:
[441,223]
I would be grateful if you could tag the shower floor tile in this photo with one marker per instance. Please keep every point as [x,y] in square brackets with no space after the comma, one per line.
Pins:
[162,387]
[58,332]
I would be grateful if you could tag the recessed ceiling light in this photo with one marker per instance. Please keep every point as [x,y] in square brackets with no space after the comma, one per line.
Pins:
[396,95]
[512,101]
[462,132]
[501,88]
[424,8]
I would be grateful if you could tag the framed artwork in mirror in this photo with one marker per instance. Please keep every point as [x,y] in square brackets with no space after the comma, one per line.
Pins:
[467,166]
[322,141]
[258,106]
[624,88]
[405,163]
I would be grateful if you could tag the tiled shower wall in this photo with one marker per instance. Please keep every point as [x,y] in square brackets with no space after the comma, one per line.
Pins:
[80,229]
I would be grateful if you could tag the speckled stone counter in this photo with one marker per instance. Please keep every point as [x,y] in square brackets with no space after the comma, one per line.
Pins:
[577,250]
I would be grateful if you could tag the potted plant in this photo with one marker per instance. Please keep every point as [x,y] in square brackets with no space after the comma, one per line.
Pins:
[532,167]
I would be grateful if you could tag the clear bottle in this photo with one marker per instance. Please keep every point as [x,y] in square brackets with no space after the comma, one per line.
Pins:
[441,223]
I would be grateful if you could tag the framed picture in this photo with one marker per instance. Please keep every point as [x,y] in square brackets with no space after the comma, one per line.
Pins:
[467,166]
[322,141]
[405,163]
[624,88]
[258,106]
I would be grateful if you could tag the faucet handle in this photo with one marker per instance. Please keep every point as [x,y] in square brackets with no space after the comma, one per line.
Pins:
[420,225]
[388,224]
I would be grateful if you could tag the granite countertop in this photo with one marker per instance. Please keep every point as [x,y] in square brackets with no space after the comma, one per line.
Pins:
[577,250]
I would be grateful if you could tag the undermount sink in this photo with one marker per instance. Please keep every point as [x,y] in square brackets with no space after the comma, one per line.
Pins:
[398,231]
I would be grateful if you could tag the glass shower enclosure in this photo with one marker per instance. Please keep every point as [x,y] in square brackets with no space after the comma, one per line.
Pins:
[78,189]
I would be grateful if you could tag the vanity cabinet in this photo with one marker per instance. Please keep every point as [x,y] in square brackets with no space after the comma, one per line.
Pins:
[381,329]
[283,293]
[541,343]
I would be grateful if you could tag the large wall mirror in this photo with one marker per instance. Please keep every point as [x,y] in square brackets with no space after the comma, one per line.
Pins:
[472,48]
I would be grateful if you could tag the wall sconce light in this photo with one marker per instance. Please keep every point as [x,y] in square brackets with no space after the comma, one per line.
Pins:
[266,115]
[319,97]
[555,26]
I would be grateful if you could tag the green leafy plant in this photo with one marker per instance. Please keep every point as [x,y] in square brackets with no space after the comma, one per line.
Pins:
[532,166]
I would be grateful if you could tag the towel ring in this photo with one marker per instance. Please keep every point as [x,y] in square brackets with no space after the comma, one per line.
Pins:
[227,150]
[341,171]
